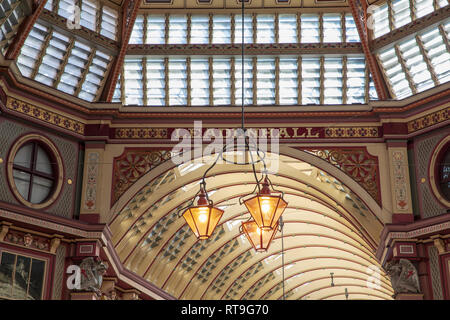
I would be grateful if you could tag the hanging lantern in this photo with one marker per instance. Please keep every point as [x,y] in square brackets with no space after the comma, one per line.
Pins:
[259,238]
[203,218]
[265,207]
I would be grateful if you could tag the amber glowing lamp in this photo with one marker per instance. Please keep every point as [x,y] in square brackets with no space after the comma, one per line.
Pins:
[203,218]
[266,208]
[259,238]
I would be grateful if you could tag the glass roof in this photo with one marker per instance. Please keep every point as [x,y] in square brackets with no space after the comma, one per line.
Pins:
[69,59]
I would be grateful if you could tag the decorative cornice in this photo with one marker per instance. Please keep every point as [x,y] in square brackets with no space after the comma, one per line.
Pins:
[44,115]
[285,133]
[250,49]
[56,226]
[429,120]
[352,132]
[141,133]
[420,229]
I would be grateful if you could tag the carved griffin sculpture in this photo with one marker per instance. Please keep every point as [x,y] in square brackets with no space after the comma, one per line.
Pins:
[404,277]
[92,274]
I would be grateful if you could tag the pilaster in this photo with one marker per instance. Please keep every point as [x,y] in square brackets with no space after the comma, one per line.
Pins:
[402,209]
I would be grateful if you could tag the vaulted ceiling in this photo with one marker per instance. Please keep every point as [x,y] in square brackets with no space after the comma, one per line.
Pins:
[327,229]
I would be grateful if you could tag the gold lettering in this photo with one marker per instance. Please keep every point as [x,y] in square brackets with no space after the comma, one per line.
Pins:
[296,133]
[284,133]
[309,135]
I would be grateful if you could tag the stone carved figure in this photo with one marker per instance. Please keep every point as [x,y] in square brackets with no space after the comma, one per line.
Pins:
[92,273]
[404,277]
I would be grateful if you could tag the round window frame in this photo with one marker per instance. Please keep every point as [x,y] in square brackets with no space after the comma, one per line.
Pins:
[54,155]
[434,170]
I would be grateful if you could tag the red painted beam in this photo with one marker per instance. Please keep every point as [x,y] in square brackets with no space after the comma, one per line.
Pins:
[24,31]
[359,12]
[129,13]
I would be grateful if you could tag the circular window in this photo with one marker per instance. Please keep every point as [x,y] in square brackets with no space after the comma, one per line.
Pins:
[444,173]
[440,172]
[35,171]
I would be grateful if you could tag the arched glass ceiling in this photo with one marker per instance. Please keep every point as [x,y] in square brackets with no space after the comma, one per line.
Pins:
[319,237]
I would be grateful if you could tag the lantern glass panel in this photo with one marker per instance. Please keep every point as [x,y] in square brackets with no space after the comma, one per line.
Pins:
[202,220]
[259,238]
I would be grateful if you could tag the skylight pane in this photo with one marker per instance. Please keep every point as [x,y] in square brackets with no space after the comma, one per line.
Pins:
[74,68]
[49,5]
[117,96]
[137,34]
[416,65]
[248,81]
[109,23]
[402,13]
[51,62]
[397,78]
[66,8]
[199,82]
[332,30]
[31,49]
[177,29]
[133,79]
[221,81]
[248,28]
[381,21]
[42,78]
[156,92]
[356,80]
[199,29]
[310,81]
[265,28]
[88,14]
[437,53]
[265,81]
[310,28]
[287,28]
[333,81]
[351,33]
[423,7]
[156,26]
[221,29]
[94,76]
[288,81]
[177,82]
[373,95]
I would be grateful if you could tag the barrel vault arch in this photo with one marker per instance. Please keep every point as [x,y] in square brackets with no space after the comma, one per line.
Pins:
[331,222]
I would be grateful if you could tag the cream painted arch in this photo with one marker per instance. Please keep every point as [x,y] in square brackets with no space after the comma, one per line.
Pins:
[285,174]
[294,179]
[381,213]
